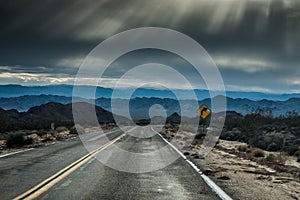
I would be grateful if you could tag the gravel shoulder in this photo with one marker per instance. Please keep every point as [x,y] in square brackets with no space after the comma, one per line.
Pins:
[245,179]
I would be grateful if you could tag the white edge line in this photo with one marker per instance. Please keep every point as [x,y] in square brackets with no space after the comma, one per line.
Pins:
[12,153]
[179,152]
[206,179]
[216,188]
[194,166]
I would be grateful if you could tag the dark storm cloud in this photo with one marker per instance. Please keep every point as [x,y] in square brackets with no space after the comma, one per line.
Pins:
[247,39]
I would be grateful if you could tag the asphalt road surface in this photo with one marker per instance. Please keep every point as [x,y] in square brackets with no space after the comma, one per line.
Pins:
[95,180]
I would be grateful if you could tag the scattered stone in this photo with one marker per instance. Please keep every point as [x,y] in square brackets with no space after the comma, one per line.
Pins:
[268,178]
[197,156]
[261,178]
[278,182]
[208,171]
[224,177]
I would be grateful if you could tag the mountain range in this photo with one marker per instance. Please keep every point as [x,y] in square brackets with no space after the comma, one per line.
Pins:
[101,92]
[139,107]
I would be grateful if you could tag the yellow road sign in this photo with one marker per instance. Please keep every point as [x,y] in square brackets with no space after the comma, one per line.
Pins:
[203,111]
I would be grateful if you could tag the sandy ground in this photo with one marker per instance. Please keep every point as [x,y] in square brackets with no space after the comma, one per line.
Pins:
[245,179]
[240,177]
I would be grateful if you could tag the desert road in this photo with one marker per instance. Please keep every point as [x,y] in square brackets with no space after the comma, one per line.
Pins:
[66,170]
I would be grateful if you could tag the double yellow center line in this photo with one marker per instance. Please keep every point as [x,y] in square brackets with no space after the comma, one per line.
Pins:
[57,177]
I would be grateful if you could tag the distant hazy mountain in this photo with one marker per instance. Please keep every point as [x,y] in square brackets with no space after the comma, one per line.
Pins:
[61,90]
[86,91]
[139,107]
[23,103]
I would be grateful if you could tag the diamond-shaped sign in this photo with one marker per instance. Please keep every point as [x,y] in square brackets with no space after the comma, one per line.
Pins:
[203,111]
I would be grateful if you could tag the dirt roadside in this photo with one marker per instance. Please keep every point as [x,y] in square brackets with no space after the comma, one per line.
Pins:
[245,179]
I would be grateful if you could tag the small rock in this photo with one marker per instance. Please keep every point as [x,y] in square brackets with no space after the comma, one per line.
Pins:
[261,178]
[197,156]
[208,171]
[224,177]
[278,182]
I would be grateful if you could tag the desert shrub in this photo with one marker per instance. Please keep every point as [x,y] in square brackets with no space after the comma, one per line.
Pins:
[249,155]
[29,140]
[277,158]
[297,153]
[61,129]
[242,148]
[41,133]
[254,153]
[73,130]
[77,129]
[17,140]
[197,142]
[258,152]
[293,151]
[3,136]
[270,158]
[200,135]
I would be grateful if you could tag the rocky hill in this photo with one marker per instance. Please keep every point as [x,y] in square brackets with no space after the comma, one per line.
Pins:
[41,117]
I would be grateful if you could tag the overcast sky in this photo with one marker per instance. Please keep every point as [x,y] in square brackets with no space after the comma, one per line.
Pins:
[255,43]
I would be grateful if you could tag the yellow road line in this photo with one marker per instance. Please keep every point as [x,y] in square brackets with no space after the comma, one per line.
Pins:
[57,177]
